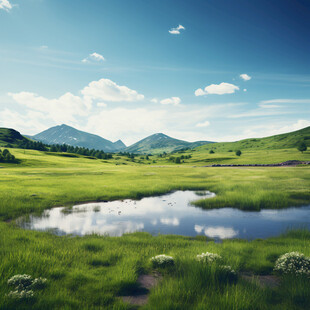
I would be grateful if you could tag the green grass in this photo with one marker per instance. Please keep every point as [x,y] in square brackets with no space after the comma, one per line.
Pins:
[283,141]
[92,272]
[42,181]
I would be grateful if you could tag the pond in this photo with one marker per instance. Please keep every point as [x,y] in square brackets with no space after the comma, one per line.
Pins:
[167,214]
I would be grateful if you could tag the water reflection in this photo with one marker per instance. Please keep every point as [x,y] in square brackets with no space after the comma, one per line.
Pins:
[168,214]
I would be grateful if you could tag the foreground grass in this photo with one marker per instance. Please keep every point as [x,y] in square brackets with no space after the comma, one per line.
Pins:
[91,272]
[43,181]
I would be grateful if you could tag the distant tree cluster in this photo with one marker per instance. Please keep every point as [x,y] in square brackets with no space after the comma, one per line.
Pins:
[7,157]
[64,148]
[178,159]
[302,147]
[126,154]
[32,145]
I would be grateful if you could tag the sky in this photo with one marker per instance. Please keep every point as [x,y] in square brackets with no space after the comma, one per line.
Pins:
[215,70]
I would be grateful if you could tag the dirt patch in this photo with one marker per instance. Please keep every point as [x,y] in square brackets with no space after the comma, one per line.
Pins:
[146,282]
[262,280]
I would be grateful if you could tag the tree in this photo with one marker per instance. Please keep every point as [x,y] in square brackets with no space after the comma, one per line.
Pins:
[302,147]
[238,152]
[178,160]
[211,152]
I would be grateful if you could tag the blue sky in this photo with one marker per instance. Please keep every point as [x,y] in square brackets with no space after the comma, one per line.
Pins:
[216,70]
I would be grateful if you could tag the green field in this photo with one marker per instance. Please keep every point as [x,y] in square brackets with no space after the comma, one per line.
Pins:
[93,272]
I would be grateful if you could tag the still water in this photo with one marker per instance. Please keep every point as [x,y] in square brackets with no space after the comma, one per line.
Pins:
[168,214]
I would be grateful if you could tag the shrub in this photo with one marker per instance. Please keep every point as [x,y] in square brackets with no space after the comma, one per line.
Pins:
[20,280]
[21,294]
[293,263]
[162,261]
[24,286]
[228,272]
[211,152]
[208,257]
[238,153]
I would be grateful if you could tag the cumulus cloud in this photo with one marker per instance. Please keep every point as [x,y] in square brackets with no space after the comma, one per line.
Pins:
[203,124]
[199,92]
[60,110]
[245,77]
[176,30]
[245,90]
[154,100]
[66,108]
[94,56]
[107,90]
[5,5]
[172,100]
[217,89]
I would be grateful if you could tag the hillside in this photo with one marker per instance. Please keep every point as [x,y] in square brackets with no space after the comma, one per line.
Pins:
[282,141]
[10,137]
[64,134]
[159,143]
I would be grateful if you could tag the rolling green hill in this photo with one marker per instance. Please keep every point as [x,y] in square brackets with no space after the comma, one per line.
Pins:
[159,143]
[283,141]
[10,137]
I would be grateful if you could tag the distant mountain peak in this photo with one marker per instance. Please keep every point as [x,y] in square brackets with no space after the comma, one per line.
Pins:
[64,134]
[159,143]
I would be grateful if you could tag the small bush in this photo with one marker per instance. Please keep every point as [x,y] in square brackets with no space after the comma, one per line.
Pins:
[24,286]
[208,258]
[21,294]
[162,261]
[227,273]
[293,263]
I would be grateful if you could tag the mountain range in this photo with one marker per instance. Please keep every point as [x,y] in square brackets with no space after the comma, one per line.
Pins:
[154,144]
[157,143]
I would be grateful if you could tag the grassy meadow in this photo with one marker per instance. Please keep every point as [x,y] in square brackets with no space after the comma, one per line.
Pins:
[93,272]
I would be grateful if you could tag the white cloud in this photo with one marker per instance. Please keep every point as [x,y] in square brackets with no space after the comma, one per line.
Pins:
[94,56]
[199,92]
[245,90]
[130,125]
[306,101]
[203,124]
[176,30]
[300,124]
[245,77]
[154,100]
[107,90]
[101,104]
[172,100]
[274,103]
[43,47]
[29,122]
[217,89]
[60,110]
[5,5]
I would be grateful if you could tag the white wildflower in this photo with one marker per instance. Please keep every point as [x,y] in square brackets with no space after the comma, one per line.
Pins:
[162,260]
[208,257]
[293,263]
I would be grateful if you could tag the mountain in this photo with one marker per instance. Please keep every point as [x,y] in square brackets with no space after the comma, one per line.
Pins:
[11,137]
[282,141]
[64,134]
[159,143]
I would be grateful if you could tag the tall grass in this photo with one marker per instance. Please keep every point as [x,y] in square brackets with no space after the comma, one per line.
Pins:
[92,272]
